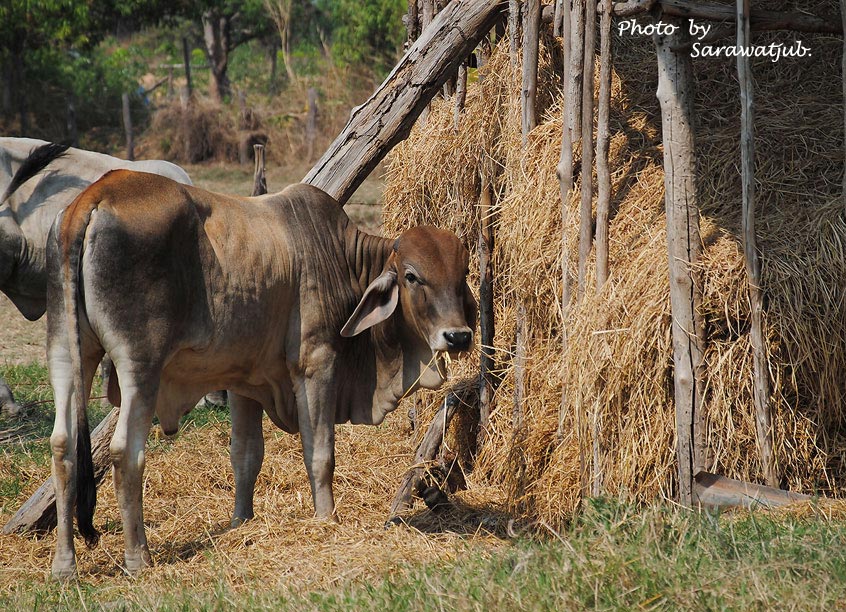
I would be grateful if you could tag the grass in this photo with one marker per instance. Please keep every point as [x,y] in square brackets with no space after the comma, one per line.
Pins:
[612,557]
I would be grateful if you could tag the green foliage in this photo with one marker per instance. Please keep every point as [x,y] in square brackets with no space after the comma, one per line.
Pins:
[365,31]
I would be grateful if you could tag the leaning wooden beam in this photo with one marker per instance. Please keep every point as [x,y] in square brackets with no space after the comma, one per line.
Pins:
[675,95]
[38,514]
[760,371]
[387,117]
[425,454]
[603,139]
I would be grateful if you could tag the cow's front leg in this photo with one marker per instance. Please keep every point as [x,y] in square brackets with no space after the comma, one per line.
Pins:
[316,398]
[128,458]
[246,452]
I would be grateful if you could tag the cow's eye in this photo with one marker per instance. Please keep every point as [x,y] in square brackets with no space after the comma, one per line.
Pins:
[411,278]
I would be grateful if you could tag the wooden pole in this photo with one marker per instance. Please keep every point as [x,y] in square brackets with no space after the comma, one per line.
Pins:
[675,95]
[586,210]
[531,45]
[311,123]
[760,371]
[574,80]
[411,23]
[388,115]
[460,94]
[514,31]
[531,42]
[486,306]
[558,17]
[259,176]
[603,139]
[127,127]
[843,70]
[564,171]
[186,57]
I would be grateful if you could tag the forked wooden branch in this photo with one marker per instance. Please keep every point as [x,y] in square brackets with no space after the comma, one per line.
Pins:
[425,454]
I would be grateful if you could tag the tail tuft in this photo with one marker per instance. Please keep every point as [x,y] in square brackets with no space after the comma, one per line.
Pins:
[38,159]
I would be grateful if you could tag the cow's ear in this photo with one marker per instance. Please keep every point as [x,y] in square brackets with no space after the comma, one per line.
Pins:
[377,304]
[470,307]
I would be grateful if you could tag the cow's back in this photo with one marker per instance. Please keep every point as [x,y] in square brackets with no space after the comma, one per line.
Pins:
[221,286]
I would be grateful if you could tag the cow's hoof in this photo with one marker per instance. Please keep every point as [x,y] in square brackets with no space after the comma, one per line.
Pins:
[237,521]
[64,571]
[135,564]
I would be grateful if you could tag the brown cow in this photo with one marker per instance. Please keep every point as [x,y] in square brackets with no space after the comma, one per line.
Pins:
[279,298]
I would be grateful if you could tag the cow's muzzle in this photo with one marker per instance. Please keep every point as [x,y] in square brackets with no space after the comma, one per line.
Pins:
[458,339]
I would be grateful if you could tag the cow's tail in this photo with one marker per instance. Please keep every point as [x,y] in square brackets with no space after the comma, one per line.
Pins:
[71,239]
[38,159]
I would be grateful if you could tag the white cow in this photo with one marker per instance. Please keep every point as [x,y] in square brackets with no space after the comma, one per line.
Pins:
[37,180]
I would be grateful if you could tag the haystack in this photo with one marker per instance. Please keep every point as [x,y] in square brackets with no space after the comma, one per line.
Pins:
[617,369]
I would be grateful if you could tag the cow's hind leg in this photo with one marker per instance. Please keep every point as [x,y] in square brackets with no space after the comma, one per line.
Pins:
[139,388]
[246,453]
[63,446]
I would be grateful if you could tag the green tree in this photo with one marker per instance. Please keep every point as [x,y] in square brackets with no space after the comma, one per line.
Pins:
[227,24]
[26,26]
[364,31]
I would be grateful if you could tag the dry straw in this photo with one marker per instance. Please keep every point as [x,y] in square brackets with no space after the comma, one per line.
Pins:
[617,370]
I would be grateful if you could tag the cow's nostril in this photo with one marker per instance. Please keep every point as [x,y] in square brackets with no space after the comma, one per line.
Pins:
[458,340]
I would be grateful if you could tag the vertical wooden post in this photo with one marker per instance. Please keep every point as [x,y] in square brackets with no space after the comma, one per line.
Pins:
[259,176]
[460,93]
[843,70]
[186,57]
[574,80]
[564,171]
[311,123]
[557,17]
[603,138]
[514,31]
[127,127]
[531,42]
[411,22]
[760,371]
[486,306]
[586,209]
[675,95]
[73,132]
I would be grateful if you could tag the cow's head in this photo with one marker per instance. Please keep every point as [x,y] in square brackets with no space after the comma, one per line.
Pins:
[426,277]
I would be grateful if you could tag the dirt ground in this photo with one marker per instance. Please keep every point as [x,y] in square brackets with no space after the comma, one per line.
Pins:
[21,341]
